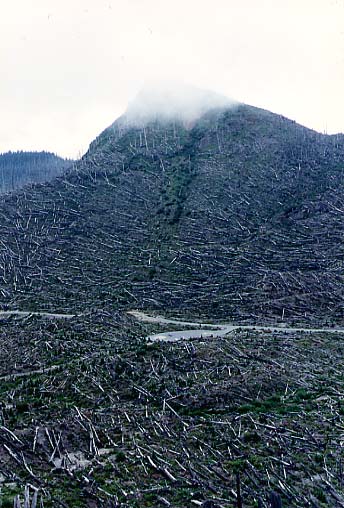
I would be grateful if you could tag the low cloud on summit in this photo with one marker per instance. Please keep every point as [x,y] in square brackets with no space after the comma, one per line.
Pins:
[173,101]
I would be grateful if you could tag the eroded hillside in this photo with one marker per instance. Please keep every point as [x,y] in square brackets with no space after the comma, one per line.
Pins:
[238,215]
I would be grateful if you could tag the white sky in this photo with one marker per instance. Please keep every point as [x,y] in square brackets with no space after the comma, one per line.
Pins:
[69,67]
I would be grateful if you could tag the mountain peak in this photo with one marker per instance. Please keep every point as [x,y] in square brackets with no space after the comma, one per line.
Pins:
[168,101]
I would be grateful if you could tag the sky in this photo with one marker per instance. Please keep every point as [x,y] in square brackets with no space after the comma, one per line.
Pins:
[70,67]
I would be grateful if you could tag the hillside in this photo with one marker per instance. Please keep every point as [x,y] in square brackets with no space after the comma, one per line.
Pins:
[238,215]
[18,169]
[235,216]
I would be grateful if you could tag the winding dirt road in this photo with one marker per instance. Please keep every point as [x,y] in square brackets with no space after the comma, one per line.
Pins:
[210,330]
[22,313]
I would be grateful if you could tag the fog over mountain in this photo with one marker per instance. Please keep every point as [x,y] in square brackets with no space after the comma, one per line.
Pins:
[77,64]
[173,100]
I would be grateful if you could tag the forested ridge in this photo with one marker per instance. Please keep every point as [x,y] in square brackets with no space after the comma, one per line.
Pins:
[21,168]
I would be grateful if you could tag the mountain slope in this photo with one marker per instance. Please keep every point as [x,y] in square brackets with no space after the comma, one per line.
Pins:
[235,215]
[238,214]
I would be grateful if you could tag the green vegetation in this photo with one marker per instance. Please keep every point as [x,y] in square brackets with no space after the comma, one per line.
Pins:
[18,169]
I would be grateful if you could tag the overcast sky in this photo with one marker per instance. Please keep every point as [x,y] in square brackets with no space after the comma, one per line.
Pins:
[69,67]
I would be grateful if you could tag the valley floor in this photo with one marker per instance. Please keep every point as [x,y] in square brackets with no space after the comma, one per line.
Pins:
[95,415]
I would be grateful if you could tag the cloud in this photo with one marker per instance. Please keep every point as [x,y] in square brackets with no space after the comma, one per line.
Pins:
[172,100]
